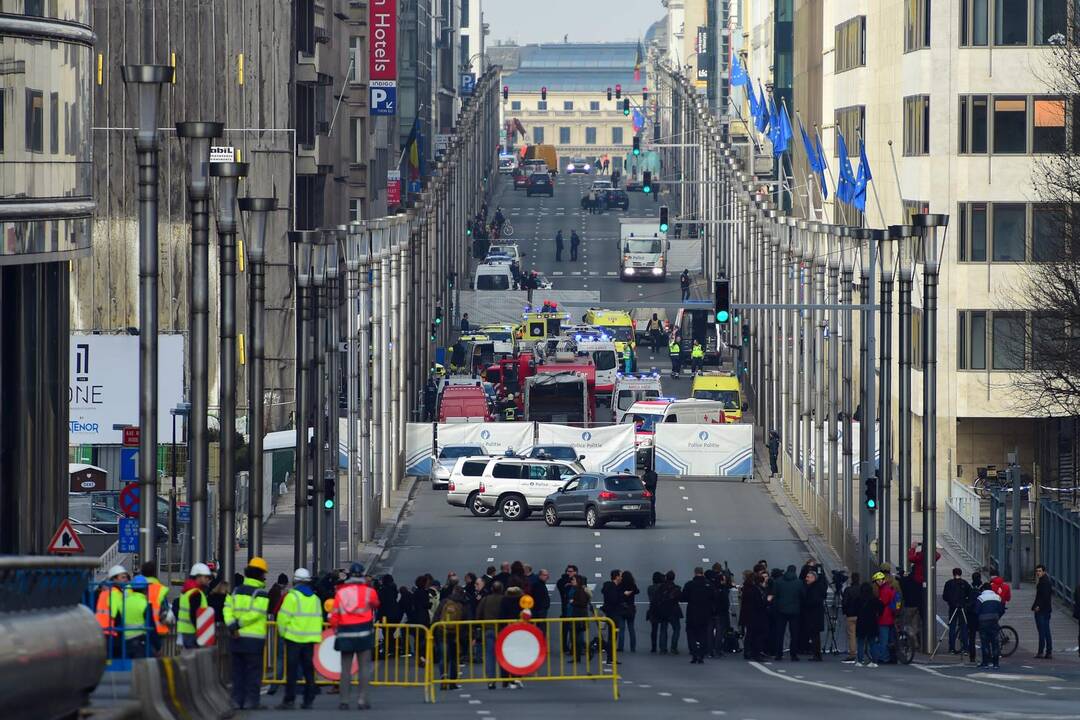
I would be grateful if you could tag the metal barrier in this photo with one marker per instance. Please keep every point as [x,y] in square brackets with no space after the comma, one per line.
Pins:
[971,540]
[1060,546]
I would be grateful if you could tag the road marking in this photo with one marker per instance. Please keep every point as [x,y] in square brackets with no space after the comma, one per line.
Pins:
[494,547]
[491,559]
[1012,676]
[682,487]
[597,575]
[596,533]
[664,694]
[597,546]
[812,683]
[693,522]
[689,509]
[475,702]
[700,547]
[976,682]
[697,534]
[557,272]
[689,700]
[685,498]
[704,560]
[599,559]
[644,686]
[498,534]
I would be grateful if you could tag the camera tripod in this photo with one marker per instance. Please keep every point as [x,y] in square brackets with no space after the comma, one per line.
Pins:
[832,615]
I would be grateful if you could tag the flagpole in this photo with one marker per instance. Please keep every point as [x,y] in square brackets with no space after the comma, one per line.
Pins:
[821,191]
[787,113]
[836,201]
[749,129]
[873,185]
[896,174]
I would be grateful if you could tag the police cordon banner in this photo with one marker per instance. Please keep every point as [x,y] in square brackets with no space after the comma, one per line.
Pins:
[423,440]
[704,450]
[607,449]
[419,447]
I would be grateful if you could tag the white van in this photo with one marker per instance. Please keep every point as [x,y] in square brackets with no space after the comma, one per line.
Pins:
[647,414]
[493,276]
[631,388]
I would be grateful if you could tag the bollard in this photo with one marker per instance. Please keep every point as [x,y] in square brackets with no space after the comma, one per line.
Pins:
[147,687]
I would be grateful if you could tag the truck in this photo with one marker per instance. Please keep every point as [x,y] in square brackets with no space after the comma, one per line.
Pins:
[643,249]
[558,397]
[546,153]
[464,403]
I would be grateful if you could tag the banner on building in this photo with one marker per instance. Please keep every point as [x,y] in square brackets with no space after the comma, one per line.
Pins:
[419,448]
[382,57]
[393,187]
[704,450]
[607,449]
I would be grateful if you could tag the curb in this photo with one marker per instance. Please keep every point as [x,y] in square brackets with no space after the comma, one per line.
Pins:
[376,551]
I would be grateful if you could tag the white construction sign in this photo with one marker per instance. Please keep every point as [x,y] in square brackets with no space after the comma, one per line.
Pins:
[607,449]
[704,450]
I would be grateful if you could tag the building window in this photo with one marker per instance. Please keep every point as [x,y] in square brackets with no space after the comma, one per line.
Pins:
[356,209]
[972,224]
[3,115]
[971,340]
[1048,125]
[916,25]
[35,121]
[1010,125]
[1051,22]
[54,123]
[616,136]
[1051,230]
[590,136]
[466,56]
[568,105]
[538,134]
[1049,338]
[1008,332]
[850,44]
[304,21]
[1001,231]
[917,125]
[1014,22]
[541,105]
[305,115]
[594,106]
[356,56]
[1009,232]
[1010,22]
[564,136]
[974,125]
[356,138]
[850,121]
[515,104]
[973,23]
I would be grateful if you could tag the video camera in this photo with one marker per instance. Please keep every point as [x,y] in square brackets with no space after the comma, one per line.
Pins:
[839,578]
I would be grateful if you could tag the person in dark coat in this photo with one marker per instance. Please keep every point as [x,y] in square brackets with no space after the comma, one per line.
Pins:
[628,592]
[813,612]
[612,608]
[698,595]
[540,595]
[563,587]
[1044,603]
[653,613]
[971,616]
[558,246]
[754,616]
[719,619]
[956,595]
[650,479]
[670,614]
[774,451]
[787,598]
[867,611]
[575,241]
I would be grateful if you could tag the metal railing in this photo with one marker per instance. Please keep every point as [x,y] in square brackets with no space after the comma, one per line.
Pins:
[1060,546]
[963,524]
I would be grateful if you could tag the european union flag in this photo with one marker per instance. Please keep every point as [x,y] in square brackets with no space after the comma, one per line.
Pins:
[739,76]
[761,120]
[845,186]
[822,167]
[862,180]
[782,141]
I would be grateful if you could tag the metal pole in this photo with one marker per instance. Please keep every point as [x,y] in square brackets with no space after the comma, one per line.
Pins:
[352,247]
[820,459]
[847,489]
[364,401]
[392,349]
[834,376]
[149,79]
[404,346]
[384,368]
[199,134]
[904,337]
[885,426]
[333,385]
[319,416]
[377,360]
[302,244]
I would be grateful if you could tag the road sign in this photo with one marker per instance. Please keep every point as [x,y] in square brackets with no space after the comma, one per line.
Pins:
[328,660]
[65,540]
[183,513]
[382,97]
[129,463]
[129,500]
[468,83]
[128,532]
[204,627]
[442,142]
[131,436]
[520,649]
[222,154]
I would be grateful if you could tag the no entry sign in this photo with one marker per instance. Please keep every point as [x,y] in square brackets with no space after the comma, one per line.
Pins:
[129,500]
[520,649]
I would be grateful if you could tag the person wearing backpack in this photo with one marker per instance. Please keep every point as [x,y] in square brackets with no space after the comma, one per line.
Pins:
[887,620]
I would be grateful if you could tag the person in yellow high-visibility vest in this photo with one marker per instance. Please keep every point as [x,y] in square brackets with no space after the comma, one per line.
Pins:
[300,625]
[697,357]
[135,618]
[192,602]
[245,616]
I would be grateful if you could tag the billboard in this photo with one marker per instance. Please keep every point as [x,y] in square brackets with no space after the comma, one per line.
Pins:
[382,56]
[103,387]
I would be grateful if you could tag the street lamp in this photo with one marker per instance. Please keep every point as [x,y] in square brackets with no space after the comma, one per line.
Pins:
[329,505]
[228,175]
[847,272]
[887,246]
[199,136]
[356,268]
[904,235]
[303,243]
[818,232]
[258,211]
[148,81]
[318,388]
[182,410]
[833,240]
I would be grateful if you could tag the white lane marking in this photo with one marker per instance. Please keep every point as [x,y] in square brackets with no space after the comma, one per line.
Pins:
[599,559]
[494,547]
[464,696]
[644,686]
[697,534]
[681,487]
[685,498]
[491,559]
[664,694]
[597,575]
[597,546]
[693,522]
[498,534]
[475,702]
[812,683]
[976,682]
[596,533]
[689,509]
[719,712]
[704,560]
[689,700]
[1022,678]
[700,547]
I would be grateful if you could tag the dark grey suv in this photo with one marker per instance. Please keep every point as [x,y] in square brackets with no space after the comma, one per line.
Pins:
[599,499]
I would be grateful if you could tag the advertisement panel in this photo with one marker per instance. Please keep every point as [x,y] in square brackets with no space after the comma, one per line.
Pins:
[393,187]
[607,449]
[382,24]
[704,450]
[103,388]
[496,438]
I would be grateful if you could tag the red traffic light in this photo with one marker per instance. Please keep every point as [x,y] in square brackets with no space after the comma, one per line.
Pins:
[543,93]
[506,91]
[618,91]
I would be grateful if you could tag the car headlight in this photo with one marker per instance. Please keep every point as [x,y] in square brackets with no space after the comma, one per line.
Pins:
[628,271]
[657,271]
[586,167]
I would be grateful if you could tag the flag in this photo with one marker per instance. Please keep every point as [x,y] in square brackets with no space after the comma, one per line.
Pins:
[811,154]
[739,76]
[781,134]
[761,120]
[637,63]
[845,186]
[755,106]
[822,167]
[637,120]
[414,151]
[862,180]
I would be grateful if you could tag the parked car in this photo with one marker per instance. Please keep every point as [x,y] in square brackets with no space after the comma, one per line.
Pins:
[540,184]
[599,499]
[515,487]
[447,458]
[463,488]
[617,198]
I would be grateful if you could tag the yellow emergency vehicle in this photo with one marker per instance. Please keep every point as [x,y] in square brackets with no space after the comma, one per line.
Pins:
[616,324]
[723,387]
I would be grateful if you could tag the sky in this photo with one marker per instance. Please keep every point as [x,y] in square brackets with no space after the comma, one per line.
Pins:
[531,21]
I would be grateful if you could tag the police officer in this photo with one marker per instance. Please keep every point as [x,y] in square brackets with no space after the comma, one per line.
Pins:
[192,602]
[697,357]
[355,603]
[558,246]
[675,351]
[300,623]
[136,616]
[245,616]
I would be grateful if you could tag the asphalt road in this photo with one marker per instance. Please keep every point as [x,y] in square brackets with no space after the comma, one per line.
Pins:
[698,523]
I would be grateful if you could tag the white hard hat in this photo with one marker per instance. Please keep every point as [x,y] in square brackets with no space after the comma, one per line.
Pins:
[117,570]
[302,575]
[200,569]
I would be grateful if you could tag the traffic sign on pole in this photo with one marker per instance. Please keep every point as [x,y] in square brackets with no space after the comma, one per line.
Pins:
[129,500]
[520,649]
[131,436]
[128,534]
[65,541]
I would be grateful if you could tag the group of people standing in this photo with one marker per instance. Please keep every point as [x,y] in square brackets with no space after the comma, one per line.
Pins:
[575,243]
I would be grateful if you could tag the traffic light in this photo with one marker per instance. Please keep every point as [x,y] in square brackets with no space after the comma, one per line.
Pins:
[609,93]
[644,95]
[310,492]
[637,144]
[543,93]
[438,315]
[663,218]
[506,92]
[618,91]
[626,106]
[871,493]
[646,181]
[329,487]
[431,334]
[722,300]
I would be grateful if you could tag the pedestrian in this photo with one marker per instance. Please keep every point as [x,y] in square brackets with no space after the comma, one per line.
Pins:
[675,353]
[110,601]
[628,592]
[541,597]
[774,452]
[650,479]
[590,202]
[565,589]
[1044,601]
[719,619]
[452,612]
[989,608]
[670,614]
[558,246]
[653,613]
[812,621]
[575,241]
[246,611]
[890,603]
[355,603]
[956,595]
[612,607]
[971,615]
[157,594]
[849,605]
[465,327]
[698,596]
[628,358]
[787,598]
[697,357]
[580,606]
[917,558]
[277,592]
[300,624]
[192,601]
[503,575]
[684,285]
[655,332]
[754,616]
[866,624]
[391,611]
[490,609]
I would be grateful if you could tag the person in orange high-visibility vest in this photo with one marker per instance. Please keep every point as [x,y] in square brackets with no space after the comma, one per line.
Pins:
[110,599]
[355,603]
[157,594]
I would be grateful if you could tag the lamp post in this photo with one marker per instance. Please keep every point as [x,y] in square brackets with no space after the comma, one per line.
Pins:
[182,410]
[333,384]
[258,210]
[318,401]
[805,367]
[867,259]
[378,234]
[817,233]
[926,226]
[228,175]
[887,246]
[148,80]
[386,391]
[847,272]
[833,262]
[303,243]
[356,260]
[906,253]
[199,135]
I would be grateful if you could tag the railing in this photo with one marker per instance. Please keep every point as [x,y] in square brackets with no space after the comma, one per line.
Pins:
[966,502]
[963,524]
[1060,546]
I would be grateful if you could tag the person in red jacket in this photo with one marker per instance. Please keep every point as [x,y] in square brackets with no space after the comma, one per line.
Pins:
[917,558]
[887,619]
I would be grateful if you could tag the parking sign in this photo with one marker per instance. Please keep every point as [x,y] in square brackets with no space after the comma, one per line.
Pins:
[383,97]
[128,535]
[468,83]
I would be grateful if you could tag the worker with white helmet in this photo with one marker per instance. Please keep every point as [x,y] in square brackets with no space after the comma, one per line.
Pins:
[192,602]
[109,601]
[300,625]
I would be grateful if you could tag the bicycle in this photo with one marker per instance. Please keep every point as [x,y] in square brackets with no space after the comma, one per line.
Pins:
[507,229]
[903,646]
[1008,639]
